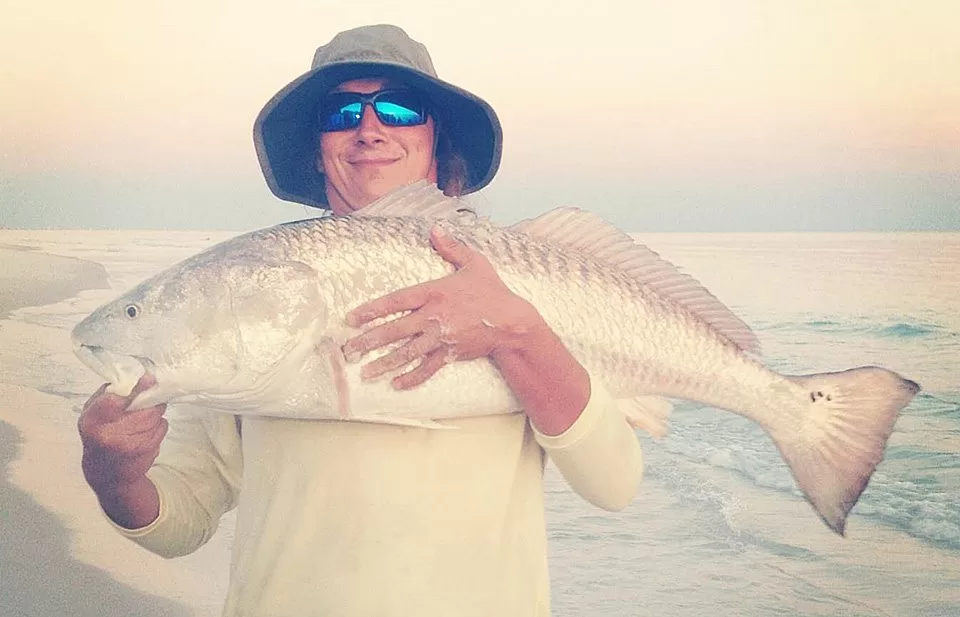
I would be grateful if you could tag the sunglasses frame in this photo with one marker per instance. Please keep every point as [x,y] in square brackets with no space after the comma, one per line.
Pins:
[371,100]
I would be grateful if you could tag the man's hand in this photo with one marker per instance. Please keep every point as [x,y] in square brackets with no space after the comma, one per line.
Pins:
[468,314]
[118,449]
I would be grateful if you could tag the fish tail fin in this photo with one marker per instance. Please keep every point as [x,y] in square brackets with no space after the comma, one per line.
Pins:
[848,417]
[647,412]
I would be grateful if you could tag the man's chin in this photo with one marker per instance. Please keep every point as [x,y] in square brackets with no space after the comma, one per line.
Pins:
[370,187]
[380,188]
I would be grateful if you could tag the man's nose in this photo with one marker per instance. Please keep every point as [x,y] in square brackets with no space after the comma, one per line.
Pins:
[370,128]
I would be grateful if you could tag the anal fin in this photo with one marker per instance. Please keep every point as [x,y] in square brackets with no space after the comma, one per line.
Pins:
[647,412]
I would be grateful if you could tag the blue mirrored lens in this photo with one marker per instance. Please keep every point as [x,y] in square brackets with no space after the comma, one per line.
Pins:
[395,114]
[341,118]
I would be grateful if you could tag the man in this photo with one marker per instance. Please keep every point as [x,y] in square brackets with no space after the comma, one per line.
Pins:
[341,518]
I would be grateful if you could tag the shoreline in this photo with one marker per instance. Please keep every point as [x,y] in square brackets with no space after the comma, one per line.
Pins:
[29,277]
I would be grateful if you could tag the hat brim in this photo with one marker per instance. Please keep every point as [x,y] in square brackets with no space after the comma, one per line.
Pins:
[286,136]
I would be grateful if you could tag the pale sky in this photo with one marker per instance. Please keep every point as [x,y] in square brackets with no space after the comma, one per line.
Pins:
[688,115]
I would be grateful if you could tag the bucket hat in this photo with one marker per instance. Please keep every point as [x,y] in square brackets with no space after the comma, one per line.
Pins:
[285,131]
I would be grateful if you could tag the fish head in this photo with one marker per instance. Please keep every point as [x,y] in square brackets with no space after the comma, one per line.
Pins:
[214,328]
[173,326]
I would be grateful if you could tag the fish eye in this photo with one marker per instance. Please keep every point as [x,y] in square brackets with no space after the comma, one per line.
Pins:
[132,311]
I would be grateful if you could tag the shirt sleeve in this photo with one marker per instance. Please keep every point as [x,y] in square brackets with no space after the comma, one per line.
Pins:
[599,455]
[197,475]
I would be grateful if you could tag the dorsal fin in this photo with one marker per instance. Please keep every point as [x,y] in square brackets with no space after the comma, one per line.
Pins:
[422,199]
[591,235]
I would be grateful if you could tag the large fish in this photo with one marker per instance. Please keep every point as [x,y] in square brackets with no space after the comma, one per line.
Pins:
[255,325]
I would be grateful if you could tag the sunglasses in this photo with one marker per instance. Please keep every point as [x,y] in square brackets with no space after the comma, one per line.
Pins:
[342,111]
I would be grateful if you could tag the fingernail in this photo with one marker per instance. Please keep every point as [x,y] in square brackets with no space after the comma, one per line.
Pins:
[350,354]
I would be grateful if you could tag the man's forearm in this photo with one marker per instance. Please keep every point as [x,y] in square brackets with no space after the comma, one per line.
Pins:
[549,382]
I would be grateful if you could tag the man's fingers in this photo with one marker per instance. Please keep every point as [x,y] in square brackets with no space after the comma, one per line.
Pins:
[140,444]
[105,406]
[406,299]
[448,247]
[111,431]
[145,382]
[390,332]
[142,420]
[118,442]
[152,441]
[430,365]
[417,347]
[95,395]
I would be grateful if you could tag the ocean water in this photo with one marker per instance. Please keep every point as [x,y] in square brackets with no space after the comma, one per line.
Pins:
[719,527]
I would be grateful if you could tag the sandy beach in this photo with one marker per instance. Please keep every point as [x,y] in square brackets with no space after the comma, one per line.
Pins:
[58,554]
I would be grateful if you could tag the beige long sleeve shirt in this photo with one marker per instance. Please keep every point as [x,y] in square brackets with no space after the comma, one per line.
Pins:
[353,519]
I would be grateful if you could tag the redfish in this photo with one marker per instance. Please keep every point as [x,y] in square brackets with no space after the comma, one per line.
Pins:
[255,325]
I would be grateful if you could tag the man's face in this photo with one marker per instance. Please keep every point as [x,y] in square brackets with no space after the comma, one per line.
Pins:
[371,160]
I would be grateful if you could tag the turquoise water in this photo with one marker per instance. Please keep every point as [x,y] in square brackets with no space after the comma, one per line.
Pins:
[719,527]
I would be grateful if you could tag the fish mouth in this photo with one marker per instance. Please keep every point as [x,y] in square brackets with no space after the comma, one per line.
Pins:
[121,371]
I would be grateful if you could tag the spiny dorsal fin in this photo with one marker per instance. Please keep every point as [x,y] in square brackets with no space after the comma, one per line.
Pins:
[421,199]
[591,235]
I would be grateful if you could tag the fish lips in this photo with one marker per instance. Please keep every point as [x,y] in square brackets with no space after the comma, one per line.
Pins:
[121,371]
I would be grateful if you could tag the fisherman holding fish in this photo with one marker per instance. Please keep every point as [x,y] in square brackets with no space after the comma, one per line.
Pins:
[369,518]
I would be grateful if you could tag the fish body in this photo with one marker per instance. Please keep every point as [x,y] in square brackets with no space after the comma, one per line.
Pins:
[255,326]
